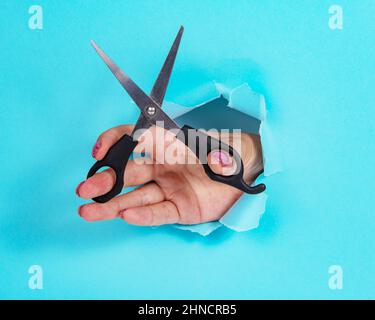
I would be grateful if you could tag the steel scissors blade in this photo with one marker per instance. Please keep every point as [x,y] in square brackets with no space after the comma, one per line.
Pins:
[142,100]
[151,113]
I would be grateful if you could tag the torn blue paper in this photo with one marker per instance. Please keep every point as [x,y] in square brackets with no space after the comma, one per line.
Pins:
[203,229]
[246,213]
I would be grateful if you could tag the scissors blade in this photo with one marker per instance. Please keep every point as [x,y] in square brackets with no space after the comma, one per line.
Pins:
[136,93]
[161,83]
[160,86]
[141,99]
[142,123]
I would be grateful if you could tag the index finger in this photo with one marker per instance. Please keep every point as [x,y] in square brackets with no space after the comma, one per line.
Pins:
[108,138]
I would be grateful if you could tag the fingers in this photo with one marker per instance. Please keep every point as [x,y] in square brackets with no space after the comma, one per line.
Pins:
[102,182]
[162,146]
[153,215]
[108,138]
[248,146]
[221,163]
[99,211]
[144,196]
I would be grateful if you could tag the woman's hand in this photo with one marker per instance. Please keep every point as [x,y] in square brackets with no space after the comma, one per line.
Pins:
[169,193]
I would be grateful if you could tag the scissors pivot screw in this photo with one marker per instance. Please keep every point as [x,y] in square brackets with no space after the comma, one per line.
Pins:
[151,110]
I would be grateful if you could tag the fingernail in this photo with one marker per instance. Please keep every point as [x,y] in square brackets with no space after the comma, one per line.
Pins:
[77,189]
[95,148]
[79,211]
[223,158]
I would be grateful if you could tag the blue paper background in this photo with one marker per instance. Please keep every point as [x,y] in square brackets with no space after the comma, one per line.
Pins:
[56,97]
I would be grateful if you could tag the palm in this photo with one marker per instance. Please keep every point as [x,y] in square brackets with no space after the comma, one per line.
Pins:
[196,197]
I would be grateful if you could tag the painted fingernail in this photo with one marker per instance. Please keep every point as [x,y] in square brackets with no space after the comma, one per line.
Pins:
[223,158]
[79,210]
[95,148]
[79,186]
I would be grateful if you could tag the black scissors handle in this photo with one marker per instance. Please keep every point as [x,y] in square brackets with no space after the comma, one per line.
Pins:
[236,180]
[116,158]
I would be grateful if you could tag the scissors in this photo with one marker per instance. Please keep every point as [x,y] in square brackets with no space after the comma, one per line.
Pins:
[152,114]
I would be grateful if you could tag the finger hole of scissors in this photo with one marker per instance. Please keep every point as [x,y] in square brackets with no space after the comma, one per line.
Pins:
[105,168]
[105,174]
[222,163]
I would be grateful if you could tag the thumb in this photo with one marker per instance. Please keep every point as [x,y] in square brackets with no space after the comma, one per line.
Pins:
[221,163]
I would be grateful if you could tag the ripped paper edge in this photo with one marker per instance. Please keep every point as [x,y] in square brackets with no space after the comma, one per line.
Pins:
[246,213]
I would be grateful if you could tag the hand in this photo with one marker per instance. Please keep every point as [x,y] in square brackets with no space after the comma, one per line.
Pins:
[170,193]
